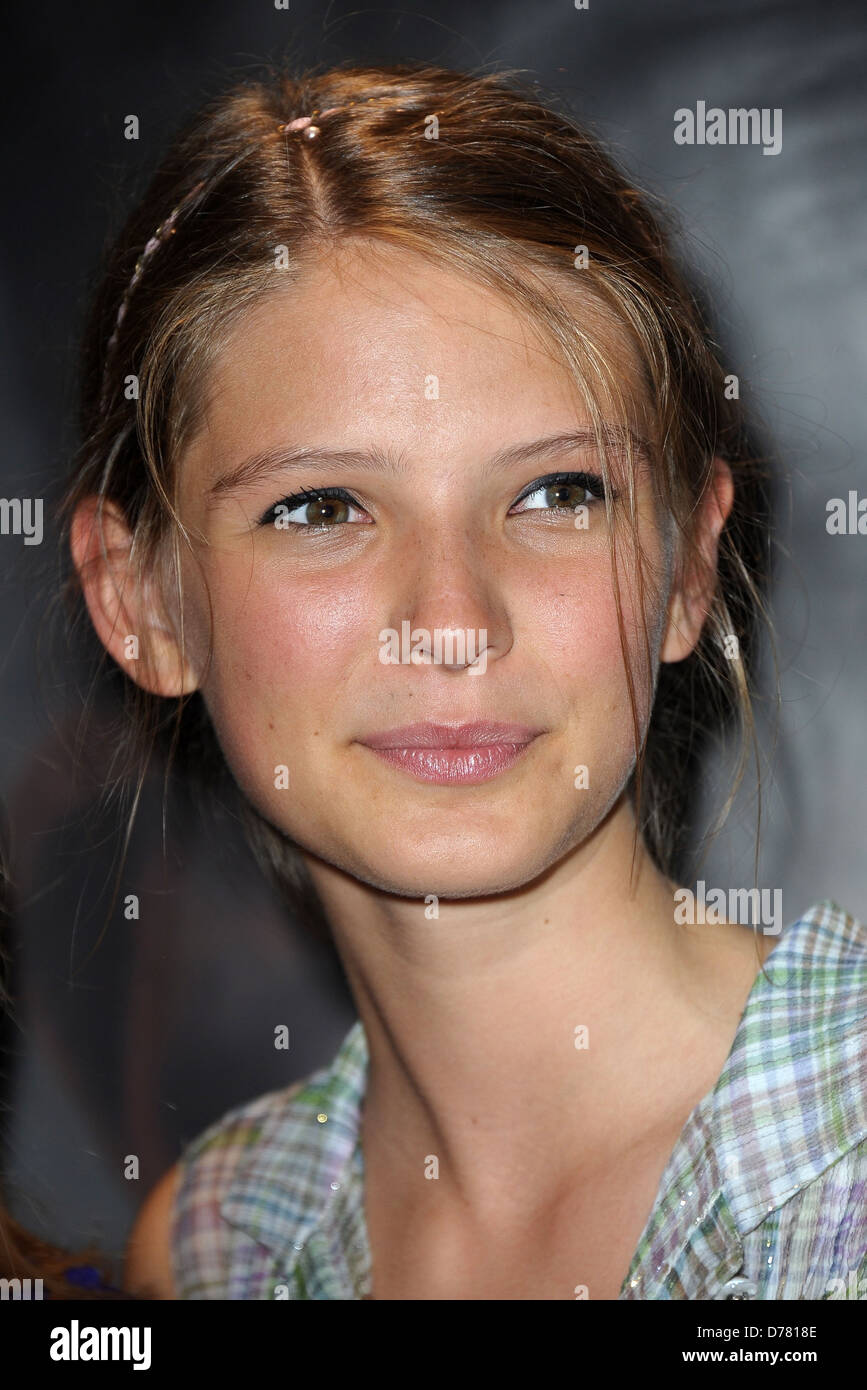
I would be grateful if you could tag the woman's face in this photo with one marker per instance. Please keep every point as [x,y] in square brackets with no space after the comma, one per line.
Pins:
[448,530]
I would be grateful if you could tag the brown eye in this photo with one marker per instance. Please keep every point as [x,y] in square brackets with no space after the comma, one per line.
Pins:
[312,511]
[565,495]
[325,511]
[561,492]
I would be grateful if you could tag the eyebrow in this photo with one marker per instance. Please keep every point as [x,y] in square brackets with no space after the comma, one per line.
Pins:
[283,458]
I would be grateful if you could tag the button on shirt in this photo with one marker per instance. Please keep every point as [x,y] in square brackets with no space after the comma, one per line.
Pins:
[764,1195]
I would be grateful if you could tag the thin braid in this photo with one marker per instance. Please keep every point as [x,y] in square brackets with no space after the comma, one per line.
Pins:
[167,228]
[164,230]
[300,125]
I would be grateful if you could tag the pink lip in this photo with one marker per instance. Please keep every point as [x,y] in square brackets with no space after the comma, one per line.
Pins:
[450,753]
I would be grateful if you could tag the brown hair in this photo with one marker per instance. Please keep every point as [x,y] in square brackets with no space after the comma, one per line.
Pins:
[25,1256]
[505,194]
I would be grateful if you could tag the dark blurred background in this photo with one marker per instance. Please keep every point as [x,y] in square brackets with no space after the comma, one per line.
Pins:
[130,1039]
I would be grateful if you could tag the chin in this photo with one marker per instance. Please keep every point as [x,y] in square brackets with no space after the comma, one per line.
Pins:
[484,873]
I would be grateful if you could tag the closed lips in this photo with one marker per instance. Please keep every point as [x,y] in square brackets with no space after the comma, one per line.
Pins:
[474,735]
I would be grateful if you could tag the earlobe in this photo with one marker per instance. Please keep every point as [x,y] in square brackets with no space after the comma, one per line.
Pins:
[124,606]
[692,596]
[679,639]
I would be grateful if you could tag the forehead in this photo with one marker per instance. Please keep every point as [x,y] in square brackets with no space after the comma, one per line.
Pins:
[372,339]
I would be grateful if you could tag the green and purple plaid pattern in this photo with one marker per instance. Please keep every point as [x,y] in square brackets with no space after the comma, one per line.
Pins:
[767,1182]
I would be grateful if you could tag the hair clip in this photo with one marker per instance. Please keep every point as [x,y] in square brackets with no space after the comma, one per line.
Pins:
[302,125]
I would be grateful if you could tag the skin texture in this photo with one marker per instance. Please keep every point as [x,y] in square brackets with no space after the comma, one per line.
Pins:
[549,1156]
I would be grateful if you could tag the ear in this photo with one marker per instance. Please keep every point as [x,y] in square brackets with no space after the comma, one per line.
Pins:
[127,611]
[690,599]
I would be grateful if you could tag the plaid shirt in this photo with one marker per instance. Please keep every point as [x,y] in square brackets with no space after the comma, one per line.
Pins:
[764,1195]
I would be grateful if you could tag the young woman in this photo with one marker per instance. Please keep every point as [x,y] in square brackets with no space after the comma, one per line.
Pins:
[411,478]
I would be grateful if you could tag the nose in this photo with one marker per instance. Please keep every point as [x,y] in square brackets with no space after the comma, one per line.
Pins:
[449,600]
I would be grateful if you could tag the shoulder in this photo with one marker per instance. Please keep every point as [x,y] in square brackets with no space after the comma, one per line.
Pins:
[833,939]
[791,1111]
[818,973]
[147,1268]
[813,1244]
[252,1184]
[183,1208]
[222,1146]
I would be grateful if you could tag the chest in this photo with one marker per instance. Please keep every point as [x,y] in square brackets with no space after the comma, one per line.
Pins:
[582,1250]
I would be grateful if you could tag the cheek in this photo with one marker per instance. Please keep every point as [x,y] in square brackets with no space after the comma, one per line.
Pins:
[281,651]
[574,631]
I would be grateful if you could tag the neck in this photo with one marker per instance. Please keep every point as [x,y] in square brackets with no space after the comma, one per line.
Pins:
[525,1032]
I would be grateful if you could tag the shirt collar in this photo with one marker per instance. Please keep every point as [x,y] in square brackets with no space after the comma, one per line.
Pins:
[789,1102]
[299,1190]
[792,1098]
[773,1122]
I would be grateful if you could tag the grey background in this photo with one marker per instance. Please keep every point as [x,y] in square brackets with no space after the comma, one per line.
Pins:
[169,1022]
